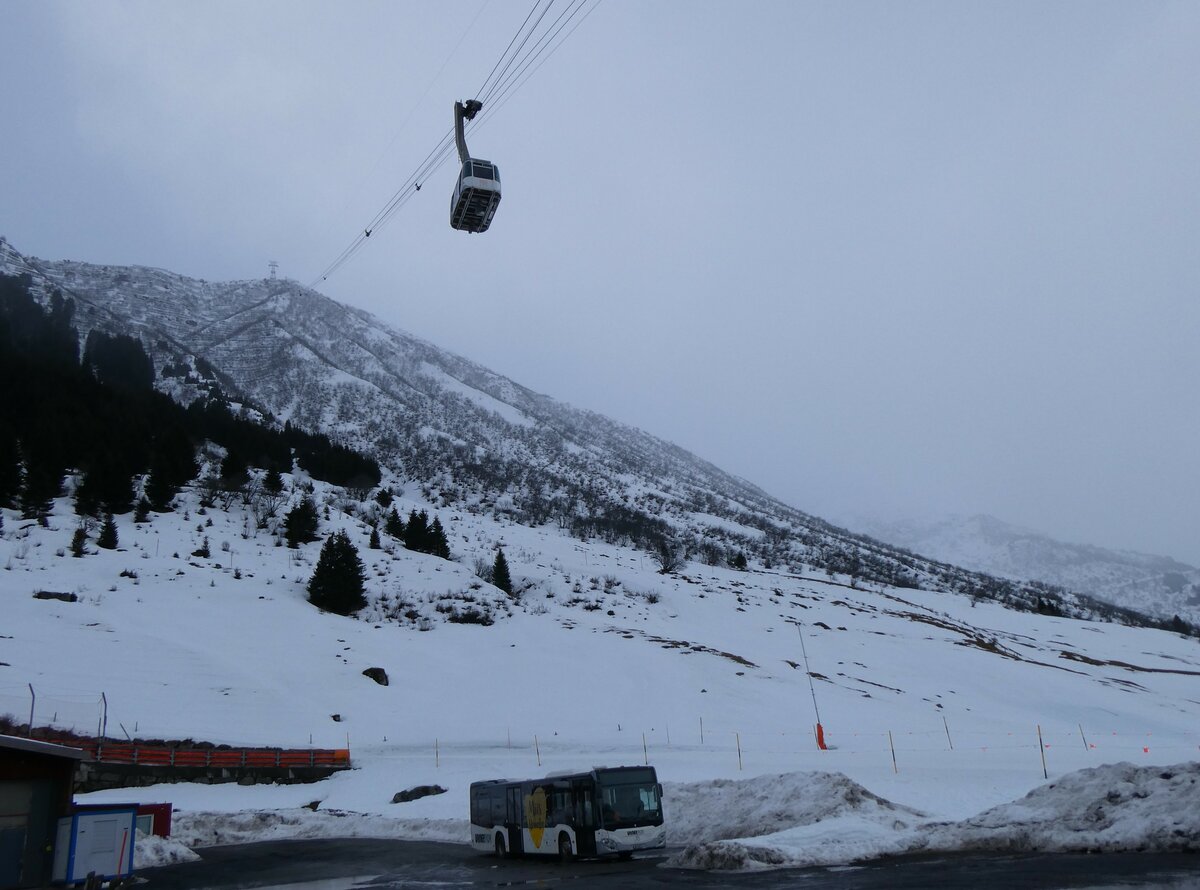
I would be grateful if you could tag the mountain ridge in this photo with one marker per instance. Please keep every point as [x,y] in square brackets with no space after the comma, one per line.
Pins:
[1155,584]
[476,440]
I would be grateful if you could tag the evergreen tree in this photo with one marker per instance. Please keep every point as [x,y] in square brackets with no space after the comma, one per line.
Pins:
[10,468]
[301,523]
[337,583]
[234,473]
[118,360]
[438,545]
[383,497]
[107,482]
[78,540]
[141,513]
[416,532]
[108,534]
[374,543]
[273,482]
[159,490]
[41,486]
[500,576]
[394,525]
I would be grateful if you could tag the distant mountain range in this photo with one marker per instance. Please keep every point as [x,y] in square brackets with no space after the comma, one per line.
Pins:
[1156,585]
[475,440]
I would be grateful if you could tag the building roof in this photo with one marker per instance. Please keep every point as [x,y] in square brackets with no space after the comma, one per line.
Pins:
[33,746]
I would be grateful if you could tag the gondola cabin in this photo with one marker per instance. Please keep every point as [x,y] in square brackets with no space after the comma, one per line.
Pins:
[476,197]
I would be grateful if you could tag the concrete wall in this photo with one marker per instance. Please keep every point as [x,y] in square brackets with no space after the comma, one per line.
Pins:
[102,776]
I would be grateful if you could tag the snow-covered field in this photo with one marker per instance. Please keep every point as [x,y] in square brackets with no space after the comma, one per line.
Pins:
[603,661]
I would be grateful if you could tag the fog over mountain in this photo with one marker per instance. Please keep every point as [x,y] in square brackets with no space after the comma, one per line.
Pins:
[1157,585]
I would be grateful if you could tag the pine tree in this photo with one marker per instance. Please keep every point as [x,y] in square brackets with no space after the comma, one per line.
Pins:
[108,534]
[273,482]
[500,576]
[374,542]
[337,583]
[159,489]
[301,523]
[234,475]
[78,540]
[438,545]
[416,532]
[10,469]
[394,525]
[41,486]
[141,513]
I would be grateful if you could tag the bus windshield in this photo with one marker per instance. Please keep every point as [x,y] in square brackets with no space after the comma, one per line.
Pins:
[630,799]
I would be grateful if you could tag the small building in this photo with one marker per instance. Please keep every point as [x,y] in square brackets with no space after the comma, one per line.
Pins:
[95,844]
[36,782]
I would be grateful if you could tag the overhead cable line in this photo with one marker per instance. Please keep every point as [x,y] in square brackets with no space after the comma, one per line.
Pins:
[516,81]
[428,87]
[500,85]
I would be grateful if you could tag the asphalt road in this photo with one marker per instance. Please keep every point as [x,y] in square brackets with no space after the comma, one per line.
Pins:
[406,865]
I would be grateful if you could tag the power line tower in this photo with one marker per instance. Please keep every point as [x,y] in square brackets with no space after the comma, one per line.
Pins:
[273,266]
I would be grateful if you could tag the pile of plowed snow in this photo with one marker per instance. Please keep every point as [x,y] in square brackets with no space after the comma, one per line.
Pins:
[783,820]
[1115,808]
[803,819]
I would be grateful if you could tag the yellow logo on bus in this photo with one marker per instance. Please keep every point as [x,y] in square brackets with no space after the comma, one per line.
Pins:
[535,816]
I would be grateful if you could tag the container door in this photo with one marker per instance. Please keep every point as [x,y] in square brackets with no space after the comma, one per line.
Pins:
[16,799]
[12,849]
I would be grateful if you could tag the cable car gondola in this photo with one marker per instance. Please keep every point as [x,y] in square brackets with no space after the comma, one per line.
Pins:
[477,194]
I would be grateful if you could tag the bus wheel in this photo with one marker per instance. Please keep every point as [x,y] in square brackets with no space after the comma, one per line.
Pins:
[565,853]
[625,855]
[501,849]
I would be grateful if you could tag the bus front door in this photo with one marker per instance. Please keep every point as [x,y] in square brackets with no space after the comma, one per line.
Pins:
[514,821]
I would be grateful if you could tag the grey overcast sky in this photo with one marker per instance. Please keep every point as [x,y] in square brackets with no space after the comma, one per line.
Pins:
[887,258]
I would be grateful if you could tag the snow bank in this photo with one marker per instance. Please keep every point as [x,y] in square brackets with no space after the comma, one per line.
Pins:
[1114,808]
[802,818]
[150,850]
[206,829]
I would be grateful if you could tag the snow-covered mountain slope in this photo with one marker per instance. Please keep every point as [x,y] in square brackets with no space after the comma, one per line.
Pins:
[600,659]
[1156,585]
[474,440]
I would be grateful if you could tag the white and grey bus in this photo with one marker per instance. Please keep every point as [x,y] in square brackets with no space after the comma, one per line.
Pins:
[608,811]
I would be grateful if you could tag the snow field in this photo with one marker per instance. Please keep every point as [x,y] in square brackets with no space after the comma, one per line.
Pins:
[599,652]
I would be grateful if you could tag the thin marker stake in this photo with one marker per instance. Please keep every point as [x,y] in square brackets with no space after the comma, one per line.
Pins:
[811,688]
[947,725]
[738,738]
[1042,748]
[1082,736]
[892,745]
